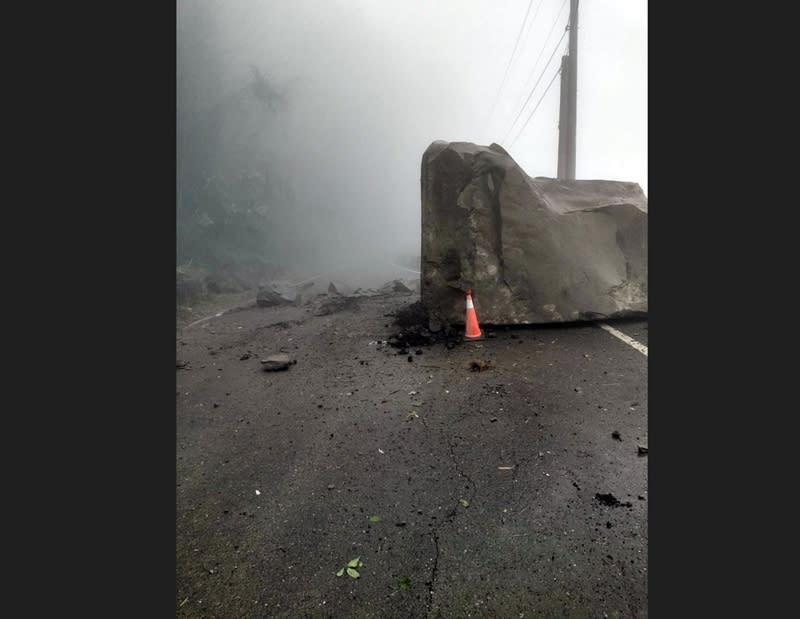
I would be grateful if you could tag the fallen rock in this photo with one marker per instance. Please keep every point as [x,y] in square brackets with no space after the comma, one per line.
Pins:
[276,363]
[642,450]
[534,250]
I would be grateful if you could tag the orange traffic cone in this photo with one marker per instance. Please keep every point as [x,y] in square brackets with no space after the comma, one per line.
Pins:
[473,331]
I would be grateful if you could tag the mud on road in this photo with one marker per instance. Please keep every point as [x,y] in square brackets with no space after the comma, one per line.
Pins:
[485,483]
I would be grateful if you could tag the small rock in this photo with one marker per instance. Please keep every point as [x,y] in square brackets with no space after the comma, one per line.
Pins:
[331,486]
[269,296]
[418,351]
[616,435]
[410,358]
[276,363]
[479,365]
[244,357]
[642,450]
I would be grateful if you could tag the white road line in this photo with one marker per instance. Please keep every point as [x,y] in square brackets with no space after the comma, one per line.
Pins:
[627,339]
[217,315]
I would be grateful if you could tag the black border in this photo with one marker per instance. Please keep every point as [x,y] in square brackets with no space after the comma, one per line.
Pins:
[713,195]
[93,495]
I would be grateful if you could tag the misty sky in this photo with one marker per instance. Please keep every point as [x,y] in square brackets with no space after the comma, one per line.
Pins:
[371,83]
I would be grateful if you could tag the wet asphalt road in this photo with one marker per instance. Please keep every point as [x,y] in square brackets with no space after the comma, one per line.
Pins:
[485,482]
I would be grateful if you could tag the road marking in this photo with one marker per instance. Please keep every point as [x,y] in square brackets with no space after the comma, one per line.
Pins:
[627,339]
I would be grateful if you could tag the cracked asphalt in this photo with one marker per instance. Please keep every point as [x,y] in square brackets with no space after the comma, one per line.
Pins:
[485,482]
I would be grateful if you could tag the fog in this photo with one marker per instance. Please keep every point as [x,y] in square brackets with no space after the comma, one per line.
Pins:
[301,124]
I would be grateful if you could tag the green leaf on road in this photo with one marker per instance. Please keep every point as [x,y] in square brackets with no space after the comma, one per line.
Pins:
[353,562]
[340,572]
[464,502]
[352,573]
[405,583]
[374,518]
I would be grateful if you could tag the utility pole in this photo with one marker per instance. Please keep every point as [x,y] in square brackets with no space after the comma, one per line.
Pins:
[566,136]
[563,120]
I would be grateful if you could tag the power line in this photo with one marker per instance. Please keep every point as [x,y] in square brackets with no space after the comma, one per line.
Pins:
[536,108]
[510,61]
[544,46]
[533,21]
[541,75]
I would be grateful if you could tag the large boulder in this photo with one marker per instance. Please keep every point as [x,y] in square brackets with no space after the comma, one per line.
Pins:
[534,250]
